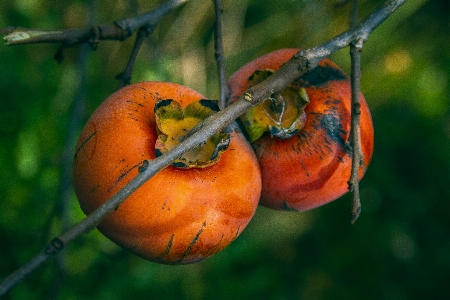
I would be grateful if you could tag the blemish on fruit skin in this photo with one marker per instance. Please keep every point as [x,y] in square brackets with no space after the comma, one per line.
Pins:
[304,144]
[127,171]
[215,249]
[331,122]
[189,248]
[142,88]
[321,75]
[288,153]
[332,101]
[327,144]
[94,189]
[169,246]
[304,167]
[160,258]
[323,176]
[164,206]
[133,109]
[134,102]
[237,233]
[92,151]
[149,230]
[133,117]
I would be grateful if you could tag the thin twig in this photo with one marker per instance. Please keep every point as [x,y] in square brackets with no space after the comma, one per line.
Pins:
[125,77]
[118,30]
[301,63]
[355,131]
[219,54]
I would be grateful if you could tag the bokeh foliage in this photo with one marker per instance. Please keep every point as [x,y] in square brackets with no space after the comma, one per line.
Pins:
[398,249]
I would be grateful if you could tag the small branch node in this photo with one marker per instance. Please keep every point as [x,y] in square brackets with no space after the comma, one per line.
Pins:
[148,29]
[16,37]
[55,246]
[248,97]
[350,186]
[125,30]
[95,39]
[358,44]
[357,108]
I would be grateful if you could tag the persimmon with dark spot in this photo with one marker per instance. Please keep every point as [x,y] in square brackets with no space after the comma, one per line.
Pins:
[188,211]
[301,135]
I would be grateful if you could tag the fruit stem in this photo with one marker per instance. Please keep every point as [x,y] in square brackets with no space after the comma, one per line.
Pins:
[277,105]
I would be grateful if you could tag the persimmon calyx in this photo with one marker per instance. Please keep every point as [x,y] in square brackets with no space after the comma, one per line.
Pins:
[282,114]
[173,123]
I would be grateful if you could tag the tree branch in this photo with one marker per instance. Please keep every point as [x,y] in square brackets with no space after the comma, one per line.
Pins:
[118,30]
[300,64]
[219,54]
[355,133]
[125,77]
[355,129]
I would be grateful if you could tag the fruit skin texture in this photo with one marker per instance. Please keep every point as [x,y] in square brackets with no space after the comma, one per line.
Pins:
[179,216]
[313,167]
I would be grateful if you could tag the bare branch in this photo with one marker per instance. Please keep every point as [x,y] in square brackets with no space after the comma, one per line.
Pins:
[125,76]
[355,129]
[355,133]
[300,64]
[219,54]
[118,30]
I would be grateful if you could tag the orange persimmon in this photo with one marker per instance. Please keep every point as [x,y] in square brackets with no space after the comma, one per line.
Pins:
[181,215]
[302,148]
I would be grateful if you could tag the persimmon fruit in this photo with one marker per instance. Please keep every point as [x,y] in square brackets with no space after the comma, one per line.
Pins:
[188,211]
[309,163]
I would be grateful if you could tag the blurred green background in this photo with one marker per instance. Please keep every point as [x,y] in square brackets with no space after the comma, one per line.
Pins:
[398,249]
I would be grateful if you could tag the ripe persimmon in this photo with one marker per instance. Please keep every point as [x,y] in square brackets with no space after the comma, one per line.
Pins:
[189,210]
[301,134]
